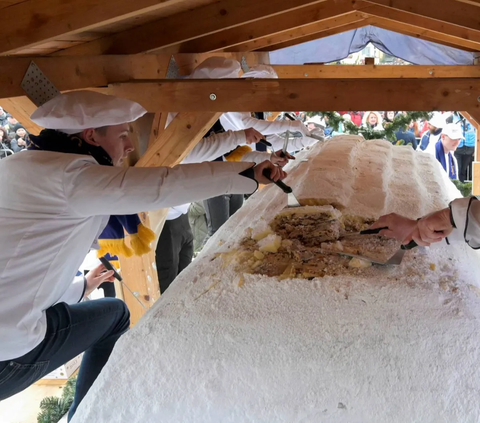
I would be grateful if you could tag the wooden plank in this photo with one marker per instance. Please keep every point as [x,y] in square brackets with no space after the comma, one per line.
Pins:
[476,178]
[376,71]
[462,14]
[264,27]
[317,35]
[462,34]
[36,21]
[69,73]
[21,108]
[300,32]
[178,139]
[302,94]
[186,26]
[158,126]
[424,34]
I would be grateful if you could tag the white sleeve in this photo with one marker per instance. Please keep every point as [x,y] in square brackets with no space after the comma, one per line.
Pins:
[239,120]
[256,156]
[466,217]
[75,292]
[92,190]
[214,146]
[294,144]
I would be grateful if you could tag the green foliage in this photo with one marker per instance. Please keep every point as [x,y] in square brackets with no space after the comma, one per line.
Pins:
[52,409]
[464,187]
[400,122]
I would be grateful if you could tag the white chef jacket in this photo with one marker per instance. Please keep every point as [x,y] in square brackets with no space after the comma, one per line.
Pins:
[242,120]
[208,149]
[466,216]
[52,210]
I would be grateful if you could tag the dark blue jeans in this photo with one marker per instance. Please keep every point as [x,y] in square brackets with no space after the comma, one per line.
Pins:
[90,326]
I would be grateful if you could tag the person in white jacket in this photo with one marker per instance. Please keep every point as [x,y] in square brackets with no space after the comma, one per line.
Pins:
[271,129]
[174,250]
[66,187]
[460,222]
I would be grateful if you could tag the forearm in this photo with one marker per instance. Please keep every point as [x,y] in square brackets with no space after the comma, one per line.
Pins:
[101,190]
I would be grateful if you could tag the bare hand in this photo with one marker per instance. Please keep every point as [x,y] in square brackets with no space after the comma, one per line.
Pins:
[399,227]
[96,277]
[276,173]
[21,142]
[252,136]
[432,228]
[280,158]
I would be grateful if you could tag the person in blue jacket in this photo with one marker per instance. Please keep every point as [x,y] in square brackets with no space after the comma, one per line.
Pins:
[466,149]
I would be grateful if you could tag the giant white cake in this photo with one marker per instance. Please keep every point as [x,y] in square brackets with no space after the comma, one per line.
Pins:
[336,344]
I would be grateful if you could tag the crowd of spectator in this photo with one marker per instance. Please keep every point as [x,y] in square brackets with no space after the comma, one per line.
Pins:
[13,135]
[429,135]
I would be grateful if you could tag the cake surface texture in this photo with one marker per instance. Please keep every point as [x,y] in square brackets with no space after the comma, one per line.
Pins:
[270,324]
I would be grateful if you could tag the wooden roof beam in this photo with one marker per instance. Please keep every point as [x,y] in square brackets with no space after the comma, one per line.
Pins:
[275,45]
[333,23]
[265,27]
[450,11]
[70,73]
[424,34]
[305,94]
[186,26]
[376,72]
[464,37]
[32,22]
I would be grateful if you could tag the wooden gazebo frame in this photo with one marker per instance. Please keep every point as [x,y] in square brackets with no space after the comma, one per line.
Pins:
[138,49]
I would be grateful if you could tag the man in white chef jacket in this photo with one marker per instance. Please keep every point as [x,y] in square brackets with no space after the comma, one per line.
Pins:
[53,211]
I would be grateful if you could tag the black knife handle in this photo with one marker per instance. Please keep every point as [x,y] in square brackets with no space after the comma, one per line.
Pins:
[289,116]
[283,186]
[109,266]
[410,245]
[372,231]
[265,142]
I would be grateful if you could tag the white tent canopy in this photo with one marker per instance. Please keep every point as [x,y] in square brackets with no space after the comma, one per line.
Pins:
[339,46]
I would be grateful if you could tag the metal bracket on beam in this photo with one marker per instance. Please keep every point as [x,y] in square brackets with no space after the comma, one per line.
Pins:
[244,65]
[173,72]
[37,86]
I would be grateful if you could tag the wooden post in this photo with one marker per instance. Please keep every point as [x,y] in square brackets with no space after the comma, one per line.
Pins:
[476,164]
[21,108]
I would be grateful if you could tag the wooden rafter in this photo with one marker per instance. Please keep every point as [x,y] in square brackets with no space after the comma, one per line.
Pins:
[424,34]
[317,35]
[70,73]
[462,34]
[265,27]
[329,24]
[36,21]
[186,26]
[21,108]
[307,94]
[374,71]
[451,11]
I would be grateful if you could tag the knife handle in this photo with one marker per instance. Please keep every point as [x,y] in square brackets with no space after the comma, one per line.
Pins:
[372,231]
[409,246]
[109,266]
[265,142]
[289,116]
[283,186]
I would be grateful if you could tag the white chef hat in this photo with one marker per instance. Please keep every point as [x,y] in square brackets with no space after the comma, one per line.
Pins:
[317,120]
[216,68]
[437,120]
[260,71]
[75,111]
[453,131]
